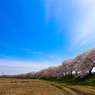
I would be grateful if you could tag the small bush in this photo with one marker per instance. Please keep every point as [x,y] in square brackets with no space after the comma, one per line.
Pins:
[24,81]
[13,81]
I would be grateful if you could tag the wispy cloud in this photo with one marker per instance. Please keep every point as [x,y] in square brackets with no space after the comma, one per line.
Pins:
[60,11]
[5,56]
[51,56]
[27,50]
[37,52]
[17,67]
[54,9]
[46,55]
[79,17]
[83,32]
[25,64]
[40,53]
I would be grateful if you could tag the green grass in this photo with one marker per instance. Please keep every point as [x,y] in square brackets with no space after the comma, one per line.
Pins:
[88,80]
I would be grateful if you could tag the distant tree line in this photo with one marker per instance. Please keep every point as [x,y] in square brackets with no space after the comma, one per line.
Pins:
[82,64]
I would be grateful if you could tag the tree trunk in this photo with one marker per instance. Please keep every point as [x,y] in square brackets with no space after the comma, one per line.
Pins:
[71,74]
[76,73]
[90,71]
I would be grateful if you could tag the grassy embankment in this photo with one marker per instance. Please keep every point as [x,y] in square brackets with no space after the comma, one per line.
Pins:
[88,80]
[74,85]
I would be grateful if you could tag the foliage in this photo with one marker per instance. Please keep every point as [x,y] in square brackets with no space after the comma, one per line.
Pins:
[88,79]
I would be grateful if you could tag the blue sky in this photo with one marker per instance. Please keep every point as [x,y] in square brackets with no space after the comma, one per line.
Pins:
[36,34]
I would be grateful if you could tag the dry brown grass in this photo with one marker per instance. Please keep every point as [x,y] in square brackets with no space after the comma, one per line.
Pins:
[11,86]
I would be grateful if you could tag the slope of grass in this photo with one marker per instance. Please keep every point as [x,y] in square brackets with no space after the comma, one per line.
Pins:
[86,80]
[69,89]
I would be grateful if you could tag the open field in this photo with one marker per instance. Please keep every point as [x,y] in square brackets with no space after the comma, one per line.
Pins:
[13,86]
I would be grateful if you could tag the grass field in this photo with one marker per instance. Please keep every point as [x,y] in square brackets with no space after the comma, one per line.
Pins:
[17,86]
[11,86]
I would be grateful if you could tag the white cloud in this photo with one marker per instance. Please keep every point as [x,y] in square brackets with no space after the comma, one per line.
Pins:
[5,56]
[54,9]
[81,23]
[41,53]
[25,64]
[11,66]
[46,55]
[37,52]
[51,56]
[17,67]
[86,2]
[83,31]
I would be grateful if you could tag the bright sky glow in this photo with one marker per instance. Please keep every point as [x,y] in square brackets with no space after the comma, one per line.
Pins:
[35,34]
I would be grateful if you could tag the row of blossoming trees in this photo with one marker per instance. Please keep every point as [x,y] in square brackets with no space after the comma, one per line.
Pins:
[80,65]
